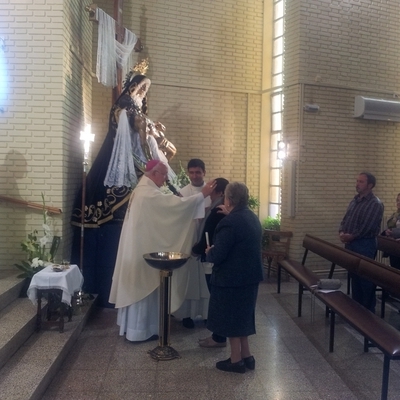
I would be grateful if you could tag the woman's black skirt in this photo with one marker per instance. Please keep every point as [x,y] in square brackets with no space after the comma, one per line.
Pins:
[231,312]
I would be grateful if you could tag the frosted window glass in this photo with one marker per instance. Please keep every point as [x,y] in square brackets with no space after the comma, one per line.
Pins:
[275,177]
[277,64]
[275,194]
[277,80]
[274,210]
[278,46]
[276,122]
[274,162]
[278,28]
[276,103]
[278,10]
[274,140]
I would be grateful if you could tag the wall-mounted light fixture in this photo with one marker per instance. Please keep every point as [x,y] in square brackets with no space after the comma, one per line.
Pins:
[282,150]
[312,108]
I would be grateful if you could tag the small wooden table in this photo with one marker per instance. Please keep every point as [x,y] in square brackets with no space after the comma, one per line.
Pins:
[59,287]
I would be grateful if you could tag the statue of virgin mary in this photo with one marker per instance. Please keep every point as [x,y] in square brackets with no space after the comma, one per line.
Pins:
[131,141]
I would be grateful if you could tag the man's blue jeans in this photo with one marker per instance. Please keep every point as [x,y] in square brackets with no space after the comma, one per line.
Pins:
[362,290]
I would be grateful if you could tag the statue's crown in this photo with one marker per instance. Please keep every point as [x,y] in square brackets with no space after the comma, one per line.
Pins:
[141,66]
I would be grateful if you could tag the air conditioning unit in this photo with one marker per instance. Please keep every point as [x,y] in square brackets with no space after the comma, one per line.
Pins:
[379,109]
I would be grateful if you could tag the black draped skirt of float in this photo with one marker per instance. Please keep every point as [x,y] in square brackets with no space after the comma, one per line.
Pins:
[103,212]
[231,311]
[103,217]
[100,252]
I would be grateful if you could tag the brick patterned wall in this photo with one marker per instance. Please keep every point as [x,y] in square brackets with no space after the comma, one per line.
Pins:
[205,65]
[48,89]
[354,43]
[77,104]
[203,44]
[343,50]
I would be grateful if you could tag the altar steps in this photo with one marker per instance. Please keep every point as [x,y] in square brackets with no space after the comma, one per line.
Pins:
[30,360]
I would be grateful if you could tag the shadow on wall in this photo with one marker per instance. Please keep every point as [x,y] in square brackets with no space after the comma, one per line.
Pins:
[13,169]
[13,228]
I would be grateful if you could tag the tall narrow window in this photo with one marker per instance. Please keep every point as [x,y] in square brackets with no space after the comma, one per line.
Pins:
[277,103]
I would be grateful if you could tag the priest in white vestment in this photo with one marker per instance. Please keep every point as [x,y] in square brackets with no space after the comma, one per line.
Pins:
[154,222]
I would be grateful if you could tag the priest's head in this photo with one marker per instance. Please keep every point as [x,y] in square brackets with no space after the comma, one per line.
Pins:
[157,171]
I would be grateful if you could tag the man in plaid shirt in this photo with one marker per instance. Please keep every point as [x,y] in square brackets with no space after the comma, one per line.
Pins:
[358,231]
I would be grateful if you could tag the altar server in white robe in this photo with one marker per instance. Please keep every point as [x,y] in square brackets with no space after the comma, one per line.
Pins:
[197,295]
[154,222]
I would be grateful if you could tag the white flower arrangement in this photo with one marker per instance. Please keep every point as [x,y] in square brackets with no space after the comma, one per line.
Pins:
[35,248]
[36,263]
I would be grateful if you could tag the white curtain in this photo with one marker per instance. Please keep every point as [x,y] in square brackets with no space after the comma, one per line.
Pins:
[109,51]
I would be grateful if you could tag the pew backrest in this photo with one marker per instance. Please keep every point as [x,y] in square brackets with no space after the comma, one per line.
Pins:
[384,276]
[334,254]
[389,246]
[388,278]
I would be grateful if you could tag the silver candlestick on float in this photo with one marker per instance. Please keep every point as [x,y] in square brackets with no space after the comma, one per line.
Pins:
[166,262]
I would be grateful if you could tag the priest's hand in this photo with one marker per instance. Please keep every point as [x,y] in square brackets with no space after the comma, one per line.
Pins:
[208,188]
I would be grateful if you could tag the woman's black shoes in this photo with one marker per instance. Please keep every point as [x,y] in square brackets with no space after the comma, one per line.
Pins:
[228,366]
[240,366]
[249,362]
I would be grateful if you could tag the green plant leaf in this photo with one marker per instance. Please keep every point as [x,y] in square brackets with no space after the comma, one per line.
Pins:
[253,202]
[181,178]
[24,266]
[273,224]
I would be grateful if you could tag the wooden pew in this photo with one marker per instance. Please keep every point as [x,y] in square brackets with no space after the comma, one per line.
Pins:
[389,246]
[376,331]
[334,254]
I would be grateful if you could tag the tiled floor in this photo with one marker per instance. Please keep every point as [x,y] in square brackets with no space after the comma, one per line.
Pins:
[292,360]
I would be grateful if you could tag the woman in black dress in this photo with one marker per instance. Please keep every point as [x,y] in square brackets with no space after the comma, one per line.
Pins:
[236,274]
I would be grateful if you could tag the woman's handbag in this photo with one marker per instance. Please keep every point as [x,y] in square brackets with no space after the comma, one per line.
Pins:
[329,284]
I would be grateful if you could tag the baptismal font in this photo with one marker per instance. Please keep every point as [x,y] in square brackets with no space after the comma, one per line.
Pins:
[166,262]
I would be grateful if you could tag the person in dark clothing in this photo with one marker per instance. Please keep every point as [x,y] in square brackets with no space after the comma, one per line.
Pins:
[236,274]
[358,231]
[393,231]
[212,218]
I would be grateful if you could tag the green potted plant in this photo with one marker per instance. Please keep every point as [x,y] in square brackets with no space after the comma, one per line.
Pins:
[273,224]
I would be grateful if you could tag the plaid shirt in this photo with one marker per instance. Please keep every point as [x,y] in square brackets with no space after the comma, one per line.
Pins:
[363,217]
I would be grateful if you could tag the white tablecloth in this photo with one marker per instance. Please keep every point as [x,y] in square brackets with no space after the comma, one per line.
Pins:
[69,281]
